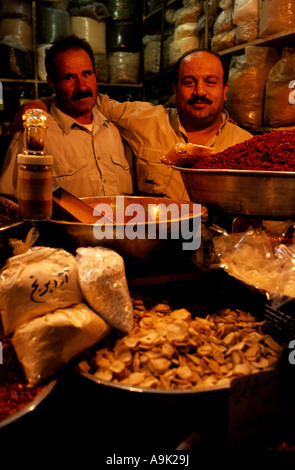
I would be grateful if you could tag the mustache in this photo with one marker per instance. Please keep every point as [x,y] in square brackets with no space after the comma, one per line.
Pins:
[81,94]
[198,99]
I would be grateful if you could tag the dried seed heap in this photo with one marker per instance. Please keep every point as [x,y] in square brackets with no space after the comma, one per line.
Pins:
[169,349]
[14,391]
[271,151]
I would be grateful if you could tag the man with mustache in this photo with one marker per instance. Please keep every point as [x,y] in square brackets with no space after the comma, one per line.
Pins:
[90,156]
[200,86]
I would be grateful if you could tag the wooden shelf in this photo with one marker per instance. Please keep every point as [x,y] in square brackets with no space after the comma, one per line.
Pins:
[274,40]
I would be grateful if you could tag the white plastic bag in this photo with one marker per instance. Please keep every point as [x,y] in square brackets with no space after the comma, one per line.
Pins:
[101,273]
[44,344]
[37,282]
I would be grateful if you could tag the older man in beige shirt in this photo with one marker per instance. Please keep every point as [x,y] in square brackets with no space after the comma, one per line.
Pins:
[90,156]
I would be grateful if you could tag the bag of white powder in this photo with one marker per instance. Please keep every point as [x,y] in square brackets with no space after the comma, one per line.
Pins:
[101,274]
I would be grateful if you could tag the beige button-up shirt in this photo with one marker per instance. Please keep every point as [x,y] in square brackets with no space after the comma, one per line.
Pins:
[87,162]
[151,132]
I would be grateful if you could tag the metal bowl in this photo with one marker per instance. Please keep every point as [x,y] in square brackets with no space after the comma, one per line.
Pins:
[254,193]
[136,251]
[16,230]
[30,406]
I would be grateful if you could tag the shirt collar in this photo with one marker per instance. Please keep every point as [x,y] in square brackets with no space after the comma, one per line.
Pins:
[67,123]
[180,130]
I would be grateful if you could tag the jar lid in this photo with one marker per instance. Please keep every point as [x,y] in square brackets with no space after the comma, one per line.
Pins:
[34,159]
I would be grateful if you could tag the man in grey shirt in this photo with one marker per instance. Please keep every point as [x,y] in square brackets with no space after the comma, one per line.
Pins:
[90,156]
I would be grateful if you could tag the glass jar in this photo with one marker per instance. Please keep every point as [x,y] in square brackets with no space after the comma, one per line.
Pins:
[35,186]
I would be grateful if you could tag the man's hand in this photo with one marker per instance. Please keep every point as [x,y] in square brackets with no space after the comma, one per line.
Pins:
[37,104]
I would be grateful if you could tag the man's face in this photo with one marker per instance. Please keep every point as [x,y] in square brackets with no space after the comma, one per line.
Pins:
[76,85]
[200,93]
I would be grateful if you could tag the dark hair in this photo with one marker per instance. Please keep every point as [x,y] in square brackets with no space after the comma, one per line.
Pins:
[224,63]
[62,44]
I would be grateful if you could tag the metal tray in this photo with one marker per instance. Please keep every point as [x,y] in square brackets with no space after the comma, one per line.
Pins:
[247,192]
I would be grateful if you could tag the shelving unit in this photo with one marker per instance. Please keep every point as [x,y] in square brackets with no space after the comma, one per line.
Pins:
[37,88]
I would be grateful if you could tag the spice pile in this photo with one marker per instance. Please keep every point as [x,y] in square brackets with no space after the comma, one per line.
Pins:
[8,213]
[14,392]
[170,349]
[271,151]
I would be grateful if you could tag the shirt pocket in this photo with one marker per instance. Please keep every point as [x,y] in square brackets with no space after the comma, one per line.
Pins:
[153,176]
[68,173]
[124,174]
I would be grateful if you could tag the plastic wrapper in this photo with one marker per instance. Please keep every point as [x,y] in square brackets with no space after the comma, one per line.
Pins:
[247,79]
[223,40]
[19,29]
[96,11]
[224,22]
[284,17]
[124,67]
[151,54]
[177,48]
[262,259]
[213,7]
[102,67]
[247,31]
[36,282]
[224,4]
[45,344]
[16,60]
[124,35]
[16,9]
[92,30]
[51,23]
[188,15]
[122,10]
[279,109]
[41,52]
[245,10]
[185,30]
[170,15]
[103,282]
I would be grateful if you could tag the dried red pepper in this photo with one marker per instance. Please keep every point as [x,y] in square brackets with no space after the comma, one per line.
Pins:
[271,151]
[14,392]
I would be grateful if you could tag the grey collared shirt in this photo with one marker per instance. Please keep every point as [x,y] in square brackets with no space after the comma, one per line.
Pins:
[86,162]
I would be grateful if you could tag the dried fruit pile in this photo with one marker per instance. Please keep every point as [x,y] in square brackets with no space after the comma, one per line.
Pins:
[169,349]
[271,151]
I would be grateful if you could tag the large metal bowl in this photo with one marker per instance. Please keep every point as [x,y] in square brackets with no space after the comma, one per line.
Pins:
[254,193]
[16,230]
[138,251]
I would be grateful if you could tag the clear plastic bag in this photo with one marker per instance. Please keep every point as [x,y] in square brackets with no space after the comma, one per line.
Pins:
[103,282]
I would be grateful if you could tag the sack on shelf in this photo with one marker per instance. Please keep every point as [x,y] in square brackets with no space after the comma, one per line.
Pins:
[247,31]
[151,54]
[223,22]
[124,67]
[282,19]
[188,15]
[247,78]
[223,40]
[177,48]
[245,10]
[279,103]
[19,29]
